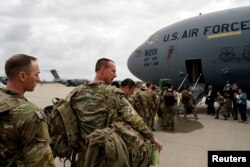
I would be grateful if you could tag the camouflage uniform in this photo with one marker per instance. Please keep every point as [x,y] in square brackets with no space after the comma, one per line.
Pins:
[97,106]
[222,107]
[155,99]
[24,137]
[188,100]
[168,110]
[138,101]
[151,103]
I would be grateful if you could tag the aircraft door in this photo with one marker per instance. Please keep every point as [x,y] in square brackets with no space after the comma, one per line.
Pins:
[194,70]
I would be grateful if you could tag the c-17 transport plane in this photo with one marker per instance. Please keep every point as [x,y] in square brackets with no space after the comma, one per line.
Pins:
[3,80]
[207,49]
[67,82]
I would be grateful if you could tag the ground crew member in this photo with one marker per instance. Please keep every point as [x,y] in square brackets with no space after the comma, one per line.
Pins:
[24,137]
[168,108]
[229,95]
[189,103]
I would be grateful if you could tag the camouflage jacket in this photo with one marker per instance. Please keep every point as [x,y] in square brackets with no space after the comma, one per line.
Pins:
[221,100]
[150,99]
[97,105]
[138,101]
[24,137]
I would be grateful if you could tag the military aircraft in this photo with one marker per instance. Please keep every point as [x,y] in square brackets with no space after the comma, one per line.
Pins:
[207,49]
[67,82]
[3,79]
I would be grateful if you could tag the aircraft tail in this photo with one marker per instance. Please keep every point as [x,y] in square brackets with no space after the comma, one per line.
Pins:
[55,74]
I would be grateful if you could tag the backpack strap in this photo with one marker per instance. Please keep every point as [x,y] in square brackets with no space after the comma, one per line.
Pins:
[72,93]
[113,109]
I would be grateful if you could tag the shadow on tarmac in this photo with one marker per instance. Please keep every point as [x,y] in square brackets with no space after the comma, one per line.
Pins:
[182,125]
[187,125]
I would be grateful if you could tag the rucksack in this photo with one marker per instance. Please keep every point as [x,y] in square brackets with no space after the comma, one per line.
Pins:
[169,98]
[63,128]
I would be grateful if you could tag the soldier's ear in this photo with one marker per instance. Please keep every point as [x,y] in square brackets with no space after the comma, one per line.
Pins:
[22,76]
[102,70]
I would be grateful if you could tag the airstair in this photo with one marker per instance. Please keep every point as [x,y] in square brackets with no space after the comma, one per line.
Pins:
[197,90]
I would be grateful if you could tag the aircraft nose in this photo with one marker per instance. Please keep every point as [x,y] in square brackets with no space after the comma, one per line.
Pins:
[132,62]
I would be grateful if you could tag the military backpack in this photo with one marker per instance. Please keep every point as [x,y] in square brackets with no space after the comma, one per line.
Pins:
[169,98]
[63,128]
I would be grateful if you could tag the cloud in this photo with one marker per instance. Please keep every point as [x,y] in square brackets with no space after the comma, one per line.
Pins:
[72,35]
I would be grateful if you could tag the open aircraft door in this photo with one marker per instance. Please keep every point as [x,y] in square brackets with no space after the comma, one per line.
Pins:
[194,70]
[195,77]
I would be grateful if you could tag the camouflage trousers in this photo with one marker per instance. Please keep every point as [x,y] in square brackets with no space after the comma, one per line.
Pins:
[221,110]
[190,108]
[168,117]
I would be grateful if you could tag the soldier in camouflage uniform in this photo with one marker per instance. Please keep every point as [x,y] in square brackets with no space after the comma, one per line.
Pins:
[189,103]
[168,108]
[151,104]
[155,98]
[138,101]
[24,137]
[127,87]
[222,106]
[98,105]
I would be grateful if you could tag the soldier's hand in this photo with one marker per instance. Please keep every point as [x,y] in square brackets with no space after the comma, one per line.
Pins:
[157,143]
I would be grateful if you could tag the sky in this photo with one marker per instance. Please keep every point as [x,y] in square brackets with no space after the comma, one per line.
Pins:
[71,35]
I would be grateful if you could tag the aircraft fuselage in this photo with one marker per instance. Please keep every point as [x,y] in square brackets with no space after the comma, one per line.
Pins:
[215,45]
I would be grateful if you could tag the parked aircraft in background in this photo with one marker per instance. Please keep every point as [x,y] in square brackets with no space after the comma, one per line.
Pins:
[3,80]
[67,82]
[208,49]
[2,85]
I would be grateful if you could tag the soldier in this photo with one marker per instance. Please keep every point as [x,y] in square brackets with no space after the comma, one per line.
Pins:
[138,101]
[189,103]
[127,86]
[103,111]
[168,107]
[116,84]
[222,106]
[155,106]
[24,137]
[151,105]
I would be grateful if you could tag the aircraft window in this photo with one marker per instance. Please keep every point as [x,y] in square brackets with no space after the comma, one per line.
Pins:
[152,39]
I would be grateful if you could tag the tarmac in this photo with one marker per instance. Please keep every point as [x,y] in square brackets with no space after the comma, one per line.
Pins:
[188,144]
